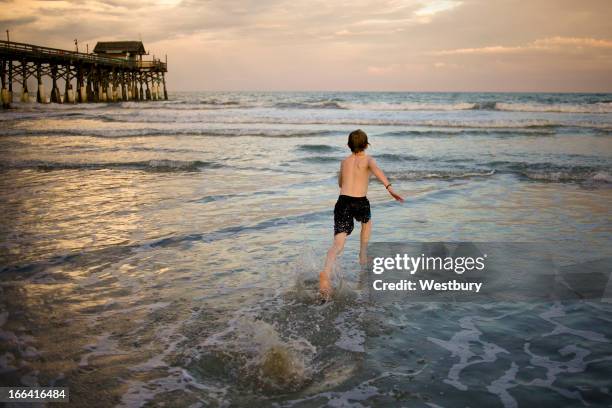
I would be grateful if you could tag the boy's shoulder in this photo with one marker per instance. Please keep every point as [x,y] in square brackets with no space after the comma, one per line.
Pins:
[368,159]
[366,156]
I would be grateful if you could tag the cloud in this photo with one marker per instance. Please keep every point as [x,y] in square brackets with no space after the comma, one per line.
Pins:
[545,44]
[12,22]
[437,6]
[575,42]
[343,44]
[383,70]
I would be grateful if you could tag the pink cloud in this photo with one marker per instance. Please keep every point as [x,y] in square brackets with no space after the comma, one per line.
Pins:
[545,44]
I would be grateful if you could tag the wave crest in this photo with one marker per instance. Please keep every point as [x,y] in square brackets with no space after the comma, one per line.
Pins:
[157,165]
[326,104]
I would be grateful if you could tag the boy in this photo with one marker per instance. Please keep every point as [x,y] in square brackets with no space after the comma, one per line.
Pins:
[353,182]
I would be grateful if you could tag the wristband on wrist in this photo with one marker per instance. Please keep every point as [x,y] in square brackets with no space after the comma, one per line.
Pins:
[387,186]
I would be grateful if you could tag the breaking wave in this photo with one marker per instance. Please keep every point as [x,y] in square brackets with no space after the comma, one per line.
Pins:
[161,165]
[596,108]
[562,176]
[599,107]
[551,172]
[529,131]
[218,102]
[326,104]
[185,105]
[316,148]
[152,131]
[534,172]
[391,157]
[550,104]
[416,175]
[320,159]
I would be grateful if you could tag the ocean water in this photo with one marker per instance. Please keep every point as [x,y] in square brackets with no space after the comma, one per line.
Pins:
[168,251]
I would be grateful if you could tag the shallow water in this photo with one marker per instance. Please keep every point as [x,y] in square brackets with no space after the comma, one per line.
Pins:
[168,251]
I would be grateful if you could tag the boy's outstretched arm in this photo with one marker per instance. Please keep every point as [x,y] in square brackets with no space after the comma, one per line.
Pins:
[383,179]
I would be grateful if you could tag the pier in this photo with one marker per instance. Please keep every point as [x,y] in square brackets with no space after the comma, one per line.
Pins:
[114,72]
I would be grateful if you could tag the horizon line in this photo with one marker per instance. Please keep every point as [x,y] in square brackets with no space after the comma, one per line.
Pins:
[383,91]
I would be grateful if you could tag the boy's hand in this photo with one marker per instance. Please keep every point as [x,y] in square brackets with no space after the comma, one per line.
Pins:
[395,195]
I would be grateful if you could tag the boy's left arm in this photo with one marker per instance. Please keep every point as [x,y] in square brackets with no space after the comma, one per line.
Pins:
[383,179]
[340,176]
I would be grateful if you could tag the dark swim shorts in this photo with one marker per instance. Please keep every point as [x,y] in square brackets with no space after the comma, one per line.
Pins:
[346,209]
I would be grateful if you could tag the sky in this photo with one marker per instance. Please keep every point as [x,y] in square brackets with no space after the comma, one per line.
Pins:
[357,45]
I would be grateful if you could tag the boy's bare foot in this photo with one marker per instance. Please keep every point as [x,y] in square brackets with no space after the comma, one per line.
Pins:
[325,289]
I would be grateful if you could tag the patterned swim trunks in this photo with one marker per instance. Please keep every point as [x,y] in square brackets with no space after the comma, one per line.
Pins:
[346,209]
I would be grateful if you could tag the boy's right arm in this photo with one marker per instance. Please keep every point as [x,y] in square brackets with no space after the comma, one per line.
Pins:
[383,179]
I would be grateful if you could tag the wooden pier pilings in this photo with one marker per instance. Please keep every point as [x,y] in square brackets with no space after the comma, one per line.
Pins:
[86,77]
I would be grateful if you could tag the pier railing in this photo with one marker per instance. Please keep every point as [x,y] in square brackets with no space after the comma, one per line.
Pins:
[36,51]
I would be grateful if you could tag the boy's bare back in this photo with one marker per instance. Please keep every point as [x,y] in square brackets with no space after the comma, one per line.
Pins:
[355,174]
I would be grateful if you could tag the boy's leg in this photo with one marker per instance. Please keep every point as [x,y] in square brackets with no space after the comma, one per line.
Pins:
[334,250]
[366,230]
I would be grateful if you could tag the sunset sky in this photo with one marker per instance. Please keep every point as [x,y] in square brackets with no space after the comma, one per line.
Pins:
[387,45]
